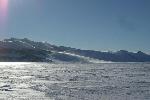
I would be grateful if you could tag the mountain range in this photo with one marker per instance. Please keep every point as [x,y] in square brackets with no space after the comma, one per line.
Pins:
[25,50]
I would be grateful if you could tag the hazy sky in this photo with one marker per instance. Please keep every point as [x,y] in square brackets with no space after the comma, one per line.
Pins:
[86,24]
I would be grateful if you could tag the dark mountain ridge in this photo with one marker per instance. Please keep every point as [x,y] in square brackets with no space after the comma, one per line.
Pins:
[14,49]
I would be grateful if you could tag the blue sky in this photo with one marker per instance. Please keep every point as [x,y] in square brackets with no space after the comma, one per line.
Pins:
[87,24]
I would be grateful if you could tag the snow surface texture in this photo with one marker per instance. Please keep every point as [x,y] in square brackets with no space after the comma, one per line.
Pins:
[43,81]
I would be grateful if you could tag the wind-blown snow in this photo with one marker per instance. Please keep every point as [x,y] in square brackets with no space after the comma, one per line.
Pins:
[91,60]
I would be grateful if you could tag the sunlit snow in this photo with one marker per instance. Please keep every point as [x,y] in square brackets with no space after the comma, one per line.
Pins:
[43,81]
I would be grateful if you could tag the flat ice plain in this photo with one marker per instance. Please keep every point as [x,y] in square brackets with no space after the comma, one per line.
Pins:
[43,81]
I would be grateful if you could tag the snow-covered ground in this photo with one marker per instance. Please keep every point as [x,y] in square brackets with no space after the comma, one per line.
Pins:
[105,81]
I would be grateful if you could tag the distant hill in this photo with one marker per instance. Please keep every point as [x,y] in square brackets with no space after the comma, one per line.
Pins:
[19,50]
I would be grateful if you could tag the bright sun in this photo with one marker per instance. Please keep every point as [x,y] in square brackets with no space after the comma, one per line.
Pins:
[3,11]
[3,4]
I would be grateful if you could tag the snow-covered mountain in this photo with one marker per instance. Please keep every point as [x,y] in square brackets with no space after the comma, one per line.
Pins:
[14,49]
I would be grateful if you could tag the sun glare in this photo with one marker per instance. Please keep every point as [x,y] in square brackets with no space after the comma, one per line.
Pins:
[14,63]
[3,9]
[3,5]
